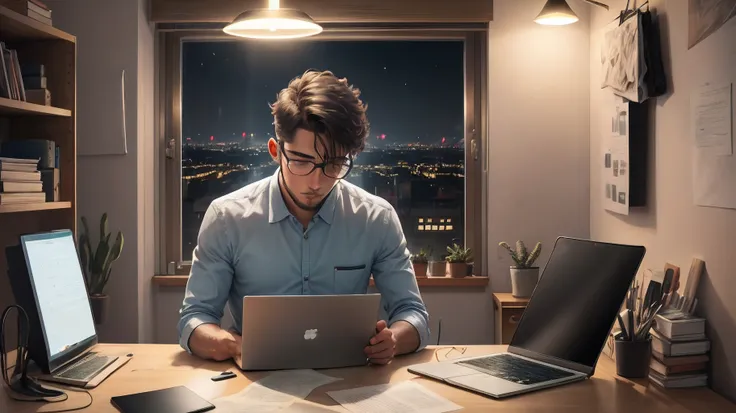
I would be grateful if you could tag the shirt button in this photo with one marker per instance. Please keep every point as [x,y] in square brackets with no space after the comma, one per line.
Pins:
[306,278]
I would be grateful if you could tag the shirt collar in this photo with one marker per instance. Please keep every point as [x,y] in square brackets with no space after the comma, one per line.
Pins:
[277,210]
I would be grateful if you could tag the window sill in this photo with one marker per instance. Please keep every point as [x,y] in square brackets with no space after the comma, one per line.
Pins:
[475,281]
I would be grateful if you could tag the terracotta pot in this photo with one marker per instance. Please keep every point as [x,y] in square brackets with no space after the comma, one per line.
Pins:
[457,269]
[420,269]
[100,305]
[523,281]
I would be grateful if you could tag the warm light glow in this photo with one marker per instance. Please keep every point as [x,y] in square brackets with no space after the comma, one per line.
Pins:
[557,19]
[273,4]
[556,13]
[273,28]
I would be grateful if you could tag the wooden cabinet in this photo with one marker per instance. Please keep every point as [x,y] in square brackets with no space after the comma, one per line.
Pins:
[508,310]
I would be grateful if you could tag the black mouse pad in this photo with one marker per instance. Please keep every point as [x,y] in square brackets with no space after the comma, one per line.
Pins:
[179,399]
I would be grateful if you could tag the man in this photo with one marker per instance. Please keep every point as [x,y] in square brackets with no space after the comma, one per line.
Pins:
[304,230]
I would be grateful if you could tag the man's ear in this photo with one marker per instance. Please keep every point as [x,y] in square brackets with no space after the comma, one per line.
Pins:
[273,149]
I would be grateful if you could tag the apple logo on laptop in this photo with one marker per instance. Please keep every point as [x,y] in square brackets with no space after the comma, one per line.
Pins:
[310,334]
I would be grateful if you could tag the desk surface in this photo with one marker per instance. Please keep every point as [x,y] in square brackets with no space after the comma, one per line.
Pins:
[156,366]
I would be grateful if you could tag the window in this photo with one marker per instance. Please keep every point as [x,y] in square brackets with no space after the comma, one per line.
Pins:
[422,154]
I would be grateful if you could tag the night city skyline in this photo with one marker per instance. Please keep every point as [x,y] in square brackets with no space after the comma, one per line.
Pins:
[414,155]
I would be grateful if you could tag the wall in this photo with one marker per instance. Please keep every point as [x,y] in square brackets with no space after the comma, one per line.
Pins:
[538,138]
[112,36]
[671,227]
[538,152]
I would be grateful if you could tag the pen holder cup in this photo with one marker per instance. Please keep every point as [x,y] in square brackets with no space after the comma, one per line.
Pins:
[632,357]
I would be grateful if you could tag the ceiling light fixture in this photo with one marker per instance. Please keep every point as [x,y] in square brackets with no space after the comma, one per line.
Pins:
[273,23]
[558,13]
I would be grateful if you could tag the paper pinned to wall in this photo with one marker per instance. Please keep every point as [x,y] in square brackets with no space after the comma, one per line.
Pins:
[714,166]
[711,108]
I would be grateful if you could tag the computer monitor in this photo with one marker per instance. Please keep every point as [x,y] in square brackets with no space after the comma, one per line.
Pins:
[48,282]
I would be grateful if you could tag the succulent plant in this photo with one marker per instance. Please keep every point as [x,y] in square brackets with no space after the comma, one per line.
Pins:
[422,255]
[458,253]
[98,264]
[521,256]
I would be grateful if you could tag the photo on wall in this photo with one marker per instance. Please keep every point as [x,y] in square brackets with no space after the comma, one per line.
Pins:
[615,147]
[705,17]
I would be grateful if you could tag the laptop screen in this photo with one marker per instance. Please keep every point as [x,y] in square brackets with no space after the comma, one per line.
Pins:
[60,292]
[575,303]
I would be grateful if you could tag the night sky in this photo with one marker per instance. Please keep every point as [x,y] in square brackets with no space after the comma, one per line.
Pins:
[414,89]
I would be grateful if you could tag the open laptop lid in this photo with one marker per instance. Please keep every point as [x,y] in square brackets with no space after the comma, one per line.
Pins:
[575,303]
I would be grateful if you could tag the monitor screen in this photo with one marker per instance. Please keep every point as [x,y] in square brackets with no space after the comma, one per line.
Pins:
[60,292]
[575,303]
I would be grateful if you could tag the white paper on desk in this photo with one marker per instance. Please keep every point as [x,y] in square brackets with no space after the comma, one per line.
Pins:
[711,118]
[297,383]
[275,392]
[405,397]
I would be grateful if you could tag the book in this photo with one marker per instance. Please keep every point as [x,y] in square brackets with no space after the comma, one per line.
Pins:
[661,368]
[15,198]
[667,347]
[16,186]
[681,326]
[679,360]
[679,381]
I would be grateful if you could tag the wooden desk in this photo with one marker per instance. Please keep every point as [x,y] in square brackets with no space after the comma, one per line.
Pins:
[156,366]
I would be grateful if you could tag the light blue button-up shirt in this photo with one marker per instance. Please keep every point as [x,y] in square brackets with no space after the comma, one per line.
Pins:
[250,244]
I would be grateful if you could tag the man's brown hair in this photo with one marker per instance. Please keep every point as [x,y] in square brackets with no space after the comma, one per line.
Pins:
[320,102]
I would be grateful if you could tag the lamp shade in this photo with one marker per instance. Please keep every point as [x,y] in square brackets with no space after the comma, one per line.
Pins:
[273,24]
[556,13]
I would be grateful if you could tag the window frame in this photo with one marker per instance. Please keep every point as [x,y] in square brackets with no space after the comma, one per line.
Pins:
[170,39]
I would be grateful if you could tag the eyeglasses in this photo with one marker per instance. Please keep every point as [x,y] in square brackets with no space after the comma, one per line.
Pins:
[461,350]
[337,168]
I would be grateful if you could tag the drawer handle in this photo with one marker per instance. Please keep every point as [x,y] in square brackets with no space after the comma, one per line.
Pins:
[514,319]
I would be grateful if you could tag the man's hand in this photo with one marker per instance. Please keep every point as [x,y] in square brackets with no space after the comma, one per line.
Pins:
[236,347]
[209,341]
[382,348]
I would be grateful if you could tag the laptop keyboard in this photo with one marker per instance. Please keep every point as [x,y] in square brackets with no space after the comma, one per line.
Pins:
[85,367]
[515,369]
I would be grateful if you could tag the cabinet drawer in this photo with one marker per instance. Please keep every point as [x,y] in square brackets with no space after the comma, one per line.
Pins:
[506,321]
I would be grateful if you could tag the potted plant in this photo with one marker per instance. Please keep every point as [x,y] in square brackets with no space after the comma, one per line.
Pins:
[457,261]
[97,264]
[420,261]
[524,275]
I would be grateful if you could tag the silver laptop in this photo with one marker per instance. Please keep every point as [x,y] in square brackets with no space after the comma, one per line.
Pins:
[563,329]
[307,331]
[49,284]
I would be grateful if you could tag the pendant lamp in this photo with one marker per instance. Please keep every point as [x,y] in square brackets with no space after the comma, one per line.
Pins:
[558,13]
[273,23]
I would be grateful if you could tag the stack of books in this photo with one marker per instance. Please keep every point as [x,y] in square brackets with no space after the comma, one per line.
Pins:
[680,351]
[20,181]
[35,9]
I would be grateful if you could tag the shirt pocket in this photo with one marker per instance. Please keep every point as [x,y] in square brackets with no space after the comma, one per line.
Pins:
[350,279]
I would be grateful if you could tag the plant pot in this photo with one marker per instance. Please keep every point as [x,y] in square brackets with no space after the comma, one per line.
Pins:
[457,269]
[523,281]
[420,269]
[470,269]
[436,269]
[100,305]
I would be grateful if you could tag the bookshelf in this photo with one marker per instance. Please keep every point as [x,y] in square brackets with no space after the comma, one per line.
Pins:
[38,43]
